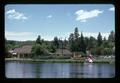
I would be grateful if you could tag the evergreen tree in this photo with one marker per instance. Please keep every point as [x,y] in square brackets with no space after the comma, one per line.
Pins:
[111,36]
[71,42]
[104,39]
[65,43]
[82,44]
[60,43]
[37,49]
[56,42]
[92,42]
[38,40]
[99,39]
[86,42]
[76,34]
[76,40]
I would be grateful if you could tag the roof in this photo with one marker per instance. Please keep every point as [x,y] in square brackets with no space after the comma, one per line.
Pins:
[23,50]
[65,51]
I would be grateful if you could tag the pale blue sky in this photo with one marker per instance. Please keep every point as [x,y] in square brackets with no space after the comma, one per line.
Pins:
[25,22]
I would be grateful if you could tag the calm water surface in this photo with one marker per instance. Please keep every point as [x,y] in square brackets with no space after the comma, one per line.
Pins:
[16,69]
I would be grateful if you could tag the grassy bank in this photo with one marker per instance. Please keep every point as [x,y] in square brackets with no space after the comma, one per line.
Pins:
[57,60]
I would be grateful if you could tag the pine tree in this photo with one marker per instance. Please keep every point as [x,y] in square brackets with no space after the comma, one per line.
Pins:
[56,42]
[104,39]
[82,44]
[38,40]
[76,40]
[71,42]
[65,43]
[99,39]
[76,34]
[92,42]
[111,36]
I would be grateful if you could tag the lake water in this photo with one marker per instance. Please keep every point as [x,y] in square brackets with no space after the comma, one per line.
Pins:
[17,69]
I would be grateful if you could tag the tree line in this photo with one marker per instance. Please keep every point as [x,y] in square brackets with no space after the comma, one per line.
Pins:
[99,46]
[78,43]
[75,43]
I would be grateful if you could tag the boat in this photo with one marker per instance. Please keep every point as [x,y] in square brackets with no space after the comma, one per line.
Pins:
[90,60]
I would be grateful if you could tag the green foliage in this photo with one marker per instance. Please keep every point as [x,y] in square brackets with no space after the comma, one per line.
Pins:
[71,42]
[65,44]
[76,40]
[43,48]
[98,51]
[56,42]
[98,47]
[111,36]
[82,44]
[76,34]
[10,44]
[92,42]
[38,40]
[75,43]
[99,39]
[83,54]
[108,44]
[102,51]
[86,41]
[93,51]
[37,49]
[51,48]
[108,51]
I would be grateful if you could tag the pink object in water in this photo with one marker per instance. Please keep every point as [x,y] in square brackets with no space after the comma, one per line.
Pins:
[90,60]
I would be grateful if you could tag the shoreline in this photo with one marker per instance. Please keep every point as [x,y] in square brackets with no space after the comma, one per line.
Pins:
[57,60]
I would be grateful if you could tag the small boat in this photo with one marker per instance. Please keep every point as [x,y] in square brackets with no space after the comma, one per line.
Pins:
[90,60]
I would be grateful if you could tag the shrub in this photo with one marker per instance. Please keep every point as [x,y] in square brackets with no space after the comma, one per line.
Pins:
[38,49]
[83,54]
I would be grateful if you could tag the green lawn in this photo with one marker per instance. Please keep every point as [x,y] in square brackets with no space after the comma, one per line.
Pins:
[60,60]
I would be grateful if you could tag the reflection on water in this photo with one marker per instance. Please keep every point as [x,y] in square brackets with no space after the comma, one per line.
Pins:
[16,69]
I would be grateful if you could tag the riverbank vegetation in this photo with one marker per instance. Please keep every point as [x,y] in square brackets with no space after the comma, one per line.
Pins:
[111,61]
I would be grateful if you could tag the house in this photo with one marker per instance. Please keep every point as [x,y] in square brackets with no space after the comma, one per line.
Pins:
[63,52]
[76,55]
[25,51]
[22,52]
